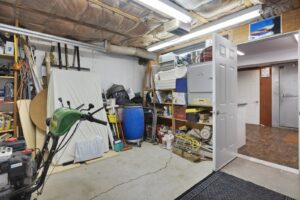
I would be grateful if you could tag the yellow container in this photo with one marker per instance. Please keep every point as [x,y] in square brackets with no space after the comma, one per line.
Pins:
[112,118]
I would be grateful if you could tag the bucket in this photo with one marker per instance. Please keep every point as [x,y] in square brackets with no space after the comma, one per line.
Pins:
[133,123]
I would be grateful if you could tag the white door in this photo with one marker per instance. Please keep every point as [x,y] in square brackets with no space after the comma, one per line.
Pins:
[248,93]
[299,98]
[225,101]
[288,96]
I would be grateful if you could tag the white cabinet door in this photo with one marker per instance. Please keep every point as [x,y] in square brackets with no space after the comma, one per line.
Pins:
[225,101]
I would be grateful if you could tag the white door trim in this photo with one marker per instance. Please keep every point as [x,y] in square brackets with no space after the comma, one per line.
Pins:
[269,164]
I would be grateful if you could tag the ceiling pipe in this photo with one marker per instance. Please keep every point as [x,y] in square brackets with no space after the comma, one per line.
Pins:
[129,51]
[48,37]
[107,48]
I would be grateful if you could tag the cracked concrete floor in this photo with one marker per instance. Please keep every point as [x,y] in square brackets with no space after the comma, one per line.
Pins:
[149,172]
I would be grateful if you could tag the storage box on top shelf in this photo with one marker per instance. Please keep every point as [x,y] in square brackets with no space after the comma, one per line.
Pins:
[181,85]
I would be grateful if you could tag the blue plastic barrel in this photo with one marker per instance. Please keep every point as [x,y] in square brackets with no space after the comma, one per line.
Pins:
[133,123]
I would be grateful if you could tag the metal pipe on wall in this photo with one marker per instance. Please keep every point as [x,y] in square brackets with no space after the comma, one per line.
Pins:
[48,37]
[108,48]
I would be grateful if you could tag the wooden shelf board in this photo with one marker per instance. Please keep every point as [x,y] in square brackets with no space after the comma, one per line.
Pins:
[166,90]
[183,120]
[6,102]
[5,56]
[164,103]
[208,106]
[10,77]
[7,131]
[164,117]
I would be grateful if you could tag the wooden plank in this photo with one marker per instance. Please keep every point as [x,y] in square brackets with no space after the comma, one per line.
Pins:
[59,168]
[5,56]
[39,138]
[27,125]
[16,54]
[38,110]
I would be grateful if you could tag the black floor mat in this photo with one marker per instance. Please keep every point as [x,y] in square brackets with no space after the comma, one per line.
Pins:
[222,186]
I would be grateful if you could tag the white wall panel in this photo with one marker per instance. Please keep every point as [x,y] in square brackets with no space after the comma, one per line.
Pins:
[249,92]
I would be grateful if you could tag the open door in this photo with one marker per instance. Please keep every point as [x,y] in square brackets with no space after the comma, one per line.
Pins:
[298,99]
[224,101]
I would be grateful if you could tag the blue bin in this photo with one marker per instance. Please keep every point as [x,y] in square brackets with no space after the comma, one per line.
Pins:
[133,123]
[181,85]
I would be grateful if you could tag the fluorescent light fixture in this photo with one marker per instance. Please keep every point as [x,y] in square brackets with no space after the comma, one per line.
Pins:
[296,37]
[168,8]
[225,22]
[240,53]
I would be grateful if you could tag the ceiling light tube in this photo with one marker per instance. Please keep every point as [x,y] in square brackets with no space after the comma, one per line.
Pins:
[296,37]
[226,22]
[240,53]
[168,8]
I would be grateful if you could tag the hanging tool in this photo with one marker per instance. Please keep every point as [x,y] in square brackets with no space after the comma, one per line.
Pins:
[76,54]
[59,55]
[126,146]
[66,56]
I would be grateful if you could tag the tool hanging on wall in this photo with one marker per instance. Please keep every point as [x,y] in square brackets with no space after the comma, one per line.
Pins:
[76,54]
[66,56]
[59,56]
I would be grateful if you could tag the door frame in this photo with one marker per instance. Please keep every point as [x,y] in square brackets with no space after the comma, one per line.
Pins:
[298,61]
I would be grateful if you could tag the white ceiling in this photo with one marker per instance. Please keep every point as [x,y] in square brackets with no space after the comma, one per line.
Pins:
[270,44]
[272,50]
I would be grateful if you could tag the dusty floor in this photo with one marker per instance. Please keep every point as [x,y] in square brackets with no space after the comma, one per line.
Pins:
[149,172]
[277,145]
[274,179]
[153,173]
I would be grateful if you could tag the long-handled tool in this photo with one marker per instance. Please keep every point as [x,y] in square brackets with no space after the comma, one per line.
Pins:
[126,146]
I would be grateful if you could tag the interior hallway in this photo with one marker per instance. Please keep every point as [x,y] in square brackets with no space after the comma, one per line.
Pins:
[277,145]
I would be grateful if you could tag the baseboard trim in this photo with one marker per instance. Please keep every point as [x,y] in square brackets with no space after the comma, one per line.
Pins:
[269,164]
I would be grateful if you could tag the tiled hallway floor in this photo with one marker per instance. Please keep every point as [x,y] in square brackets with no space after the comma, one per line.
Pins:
[277,145]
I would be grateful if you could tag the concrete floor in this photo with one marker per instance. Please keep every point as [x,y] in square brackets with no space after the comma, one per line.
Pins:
[149,172]
[268,177]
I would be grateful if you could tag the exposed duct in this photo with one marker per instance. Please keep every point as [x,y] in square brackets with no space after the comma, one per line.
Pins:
[130,51]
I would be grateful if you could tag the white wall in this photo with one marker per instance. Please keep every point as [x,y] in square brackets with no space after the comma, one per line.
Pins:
[117,69]
[249,93]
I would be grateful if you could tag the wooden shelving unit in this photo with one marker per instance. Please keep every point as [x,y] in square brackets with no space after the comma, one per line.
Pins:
[179,122]
[5,56]
[11,105]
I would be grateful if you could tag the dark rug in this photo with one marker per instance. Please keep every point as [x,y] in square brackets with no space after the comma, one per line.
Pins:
[222,186]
